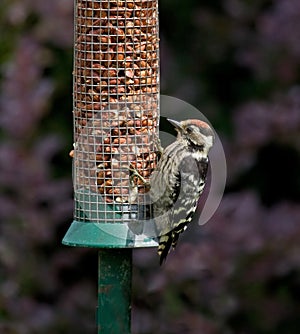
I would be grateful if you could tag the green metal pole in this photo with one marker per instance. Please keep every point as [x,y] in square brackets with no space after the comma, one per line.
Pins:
[114,291]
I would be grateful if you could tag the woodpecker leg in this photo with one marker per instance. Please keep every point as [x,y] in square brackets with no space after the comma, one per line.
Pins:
[158,146]
[133,173]
[133,188]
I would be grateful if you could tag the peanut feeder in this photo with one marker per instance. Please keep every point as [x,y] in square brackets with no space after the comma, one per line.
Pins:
[115,122]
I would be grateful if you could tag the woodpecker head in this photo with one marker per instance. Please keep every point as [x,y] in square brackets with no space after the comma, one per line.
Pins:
[197,134]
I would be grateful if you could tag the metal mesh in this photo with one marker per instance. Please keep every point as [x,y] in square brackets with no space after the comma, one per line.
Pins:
[116,106]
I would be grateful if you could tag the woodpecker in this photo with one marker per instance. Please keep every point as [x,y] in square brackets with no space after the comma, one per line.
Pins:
[178,181]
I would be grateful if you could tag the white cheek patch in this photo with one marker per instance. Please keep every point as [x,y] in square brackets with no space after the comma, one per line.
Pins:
[209,141]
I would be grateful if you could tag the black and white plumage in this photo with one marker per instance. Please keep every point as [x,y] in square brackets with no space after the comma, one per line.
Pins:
[178,181]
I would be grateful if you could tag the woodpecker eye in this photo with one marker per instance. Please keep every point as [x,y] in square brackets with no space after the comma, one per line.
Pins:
[189,129]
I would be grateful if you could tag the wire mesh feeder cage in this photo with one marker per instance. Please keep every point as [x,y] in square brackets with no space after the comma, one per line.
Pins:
[116,116]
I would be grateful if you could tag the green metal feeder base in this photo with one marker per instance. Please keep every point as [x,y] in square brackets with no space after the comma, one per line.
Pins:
[105,235]
[103,225]
[115,241]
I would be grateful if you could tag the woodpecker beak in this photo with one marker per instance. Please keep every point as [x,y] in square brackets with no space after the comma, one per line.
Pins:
[177,125]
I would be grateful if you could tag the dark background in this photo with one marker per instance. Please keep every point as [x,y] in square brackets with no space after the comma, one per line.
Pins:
[238,61]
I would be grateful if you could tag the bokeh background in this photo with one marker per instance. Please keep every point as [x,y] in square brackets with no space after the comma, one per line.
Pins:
[238,61]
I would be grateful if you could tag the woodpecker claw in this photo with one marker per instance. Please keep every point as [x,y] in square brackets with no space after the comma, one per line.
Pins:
[133,188]
[158,146]
[133,173]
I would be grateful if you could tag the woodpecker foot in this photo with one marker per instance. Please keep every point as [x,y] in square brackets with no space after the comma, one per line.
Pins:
[157,143]
[133,173]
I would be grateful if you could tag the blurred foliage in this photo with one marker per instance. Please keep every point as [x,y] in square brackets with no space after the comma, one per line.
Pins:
[238,61]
